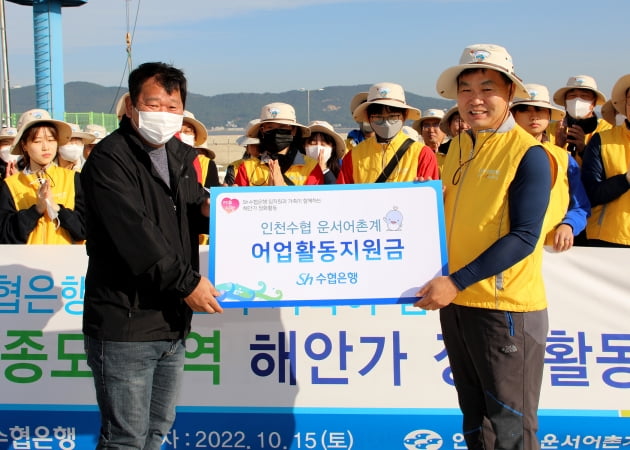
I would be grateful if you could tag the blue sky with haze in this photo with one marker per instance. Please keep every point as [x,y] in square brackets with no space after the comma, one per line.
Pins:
[230,46]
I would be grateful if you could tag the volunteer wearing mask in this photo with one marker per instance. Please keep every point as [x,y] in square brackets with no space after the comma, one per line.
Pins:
[70,155]
[194,133]
[389,155]
[326,147]
[280,163]
[42,204]
[9,164]
[579,97]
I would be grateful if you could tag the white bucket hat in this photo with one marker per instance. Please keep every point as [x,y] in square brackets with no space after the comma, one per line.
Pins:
[8,133]
[390,94]
[579,82]
[446,120]
[359,98]
[539,96]
[321,126]
[201,134]
[245,140]
[618,95]
[98,131]
[428,114]
[33,117]
[479,56]
[121,107]
[411,133]
[277,113]
[87,138]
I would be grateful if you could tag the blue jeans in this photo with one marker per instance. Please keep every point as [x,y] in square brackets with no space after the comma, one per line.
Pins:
[136,389]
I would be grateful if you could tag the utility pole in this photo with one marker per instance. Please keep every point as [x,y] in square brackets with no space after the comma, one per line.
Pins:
[6,100]
[308,102]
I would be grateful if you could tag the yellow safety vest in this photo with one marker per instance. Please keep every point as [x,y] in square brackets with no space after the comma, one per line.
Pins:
[477,214]
[611,222]
[23,188]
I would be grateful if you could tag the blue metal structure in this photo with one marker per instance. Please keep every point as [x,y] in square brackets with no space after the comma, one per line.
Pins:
[48,43]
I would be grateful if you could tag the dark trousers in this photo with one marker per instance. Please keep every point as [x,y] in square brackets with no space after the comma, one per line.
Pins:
[497,360]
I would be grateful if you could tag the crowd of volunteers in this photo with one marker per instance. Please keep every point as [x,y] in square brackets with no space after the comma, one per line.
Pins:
[521,169]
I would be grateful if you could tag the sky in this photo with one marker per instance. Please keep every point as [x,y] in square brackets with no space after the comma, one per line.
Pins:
[257,46]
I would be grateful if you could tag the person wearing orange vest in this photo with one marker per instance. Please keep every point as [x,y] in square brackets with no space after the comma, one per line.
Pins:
[493,309]
[43,203]
[606,177]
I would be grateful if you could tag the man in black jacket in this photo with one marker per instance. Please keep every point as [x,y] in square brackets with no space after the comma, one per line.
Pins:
[144,213]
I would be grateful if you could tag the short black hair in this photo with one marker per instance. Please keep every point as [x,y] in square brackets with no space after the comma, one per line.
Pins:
[468,71]
[379,108]
[169,77]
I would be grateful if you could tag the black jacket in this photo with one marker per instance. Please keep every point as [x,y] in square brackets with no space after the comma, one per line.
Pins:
[142,239]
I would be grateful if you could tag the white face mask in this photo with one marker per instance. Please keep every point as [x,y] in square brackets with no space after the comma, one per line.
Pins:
[313,151]
[5,154]
[71,152]
[578,108]
[187,139]
[158,127]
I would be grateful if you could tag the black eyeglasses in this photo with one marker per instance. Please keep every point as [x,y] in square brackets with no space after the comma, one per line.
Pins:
[379,119]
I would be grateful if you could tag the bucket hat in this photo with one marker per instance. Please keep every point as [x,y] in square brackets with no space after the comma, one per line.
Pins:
[321,126]
[479,56]
[277,113]
[579,82]
[98,131]
[33,117]
[618,95]
[445,123]
[121,107]
[245,140]
[87,138]
[201,134]
[539,96]
[428,114]
[359,98]
[8,133]
[389,94]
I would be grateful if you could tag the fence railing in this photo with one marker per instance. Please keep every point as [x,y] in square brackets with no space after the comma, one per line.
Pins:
[109,121]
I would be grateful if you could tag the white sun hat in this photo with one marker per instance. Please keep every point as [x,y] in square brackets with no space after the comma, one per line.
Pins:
[539,96]
[389,94]
[33,117]
[579,82]
[479,56]
[277,113]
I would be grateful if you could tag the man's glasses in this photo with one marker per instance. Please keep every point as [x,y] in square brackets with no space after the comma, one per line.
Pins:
[379,119]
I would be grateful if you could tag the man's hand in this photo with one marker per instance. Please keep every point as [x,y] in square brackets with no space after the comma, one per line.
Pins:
[436,294]
[203,298]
